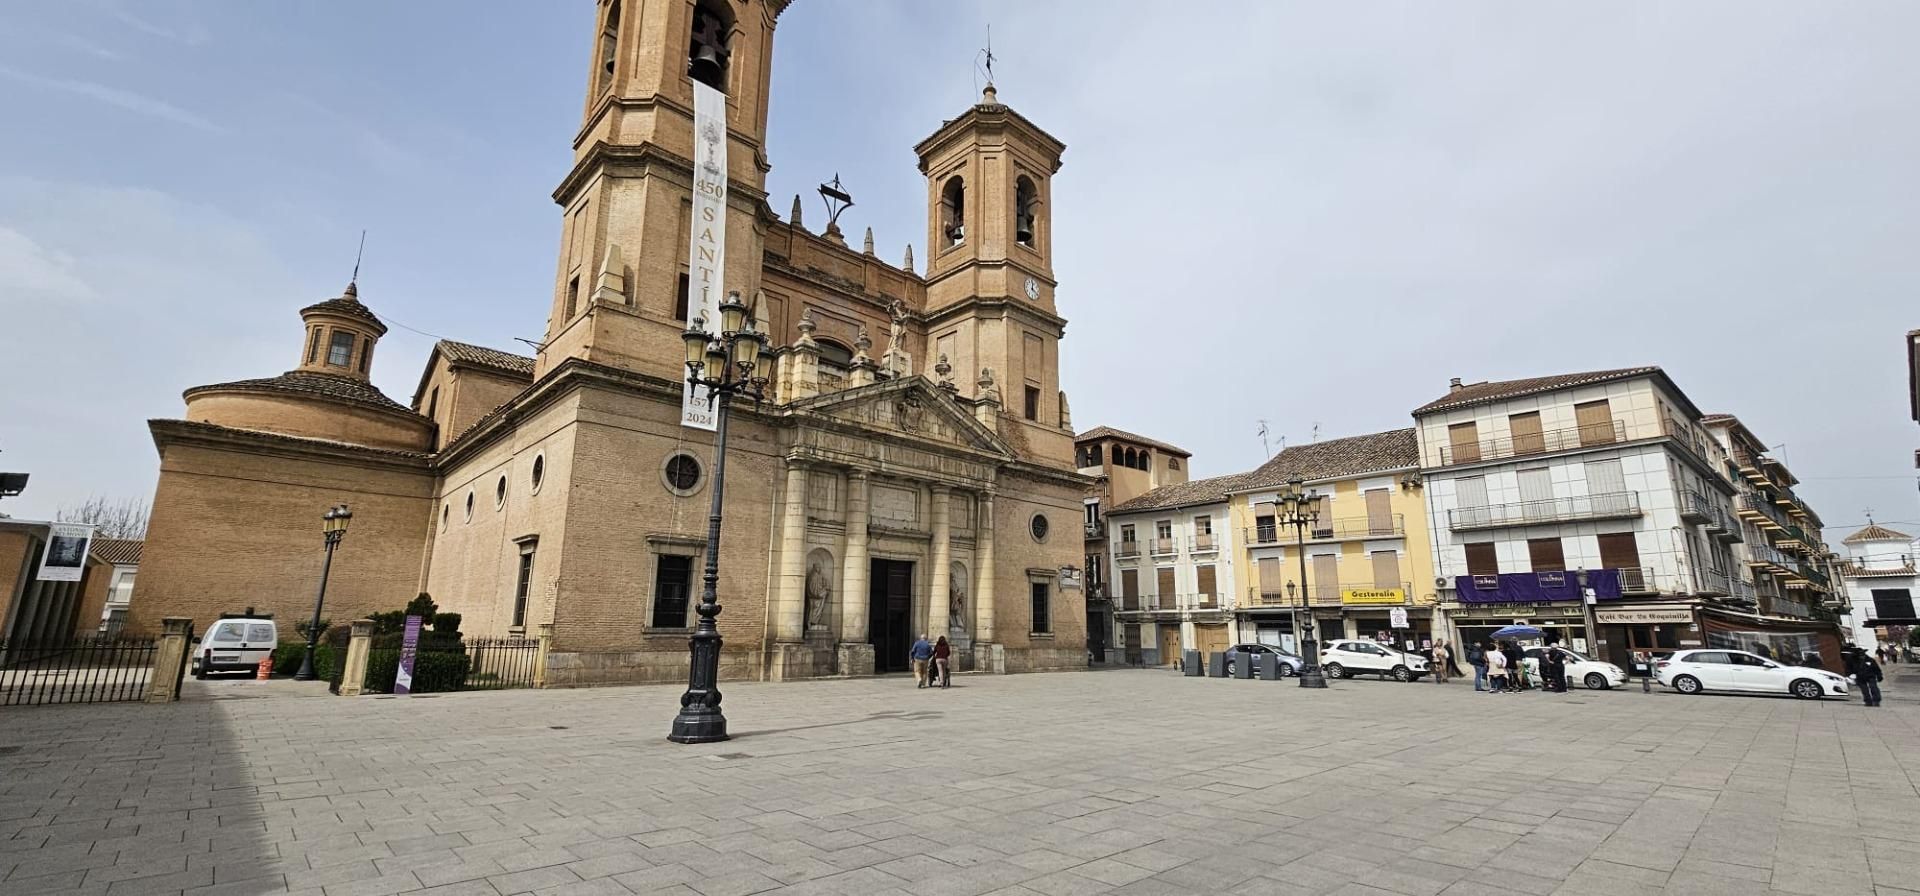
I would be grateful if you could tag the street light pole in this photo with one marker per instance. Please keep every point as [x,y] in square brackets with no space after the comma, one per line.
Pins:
[732,358]
[334,528]
[1296,507]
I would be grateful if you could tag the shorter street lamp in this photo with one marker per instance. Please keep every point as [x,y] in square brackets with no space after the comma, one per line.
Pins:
[733,362]
[333,527]
[1298,507]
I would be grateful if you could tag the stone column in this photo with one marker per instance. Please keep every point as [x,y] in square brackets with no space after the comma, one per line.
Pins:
[540,658]
[168,659]
[853,575]
[790,605]
[984,572]
[942,578]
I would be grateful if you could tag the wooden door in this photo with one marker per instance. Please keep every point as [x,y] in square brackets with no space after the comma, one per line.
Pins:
[1165,597]
[1463,443]
[1272,589]
[1129,589]
[1326,578]
[1169,644]
[1595,419]
[1210,639]
[1132,635]
[1527,437]
[1483,559]
[1546,554]
[1619,551]
[1380,512]
[1208,594]
[1386,569]
[890,613]
[1536,493]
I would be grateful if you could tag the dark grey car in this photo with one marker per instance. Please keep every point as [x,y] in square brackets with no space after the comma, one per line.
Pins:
[1238,653]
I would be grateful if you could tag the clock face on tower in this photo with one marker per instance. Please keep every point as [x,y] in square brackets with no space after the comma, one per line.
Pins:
[1033,288]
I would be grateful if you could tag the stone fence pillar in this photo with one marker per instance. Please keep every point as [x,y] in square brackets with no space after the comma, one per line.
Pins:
[540,658]
[353,675]
[163,686]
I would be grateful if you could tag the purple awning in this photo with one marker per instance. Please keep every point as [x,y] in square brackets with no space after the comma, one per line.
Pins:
[1535,587]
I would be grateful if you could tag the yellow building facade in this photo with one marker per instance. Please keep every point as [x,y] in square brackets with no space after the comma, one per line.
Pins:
[1365,553]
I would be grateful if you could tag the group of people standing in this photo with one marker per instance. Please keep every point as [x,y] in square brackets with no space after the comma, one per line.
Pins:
[1501,667]
[931,662]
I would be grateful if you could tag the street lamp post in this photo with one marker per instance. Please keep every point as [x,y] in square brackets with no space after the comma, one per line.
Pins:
[732,362]
[1297,507]
[333,528]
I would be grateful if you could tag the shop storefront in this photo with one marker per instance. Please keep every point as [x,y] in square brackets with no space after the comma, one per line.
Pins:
[1637,629]
[1476,623]
[1783,640]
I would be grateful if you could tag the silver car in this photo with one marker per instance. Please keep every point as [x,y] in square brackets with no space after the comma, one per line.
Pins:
[1239,653]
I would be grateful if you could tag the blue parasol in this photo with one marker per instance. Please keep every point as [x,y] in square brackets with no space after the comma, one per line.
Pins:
[1518,631]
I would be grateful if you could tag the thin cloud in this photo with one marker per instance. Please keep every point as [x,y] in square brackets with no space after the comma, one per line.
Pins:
[192,34]
[114,96]
[30,271]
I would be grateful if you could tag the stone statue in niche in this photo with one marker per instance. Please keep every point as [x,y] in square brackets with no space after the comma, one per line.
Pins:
[957,599]
[819,589]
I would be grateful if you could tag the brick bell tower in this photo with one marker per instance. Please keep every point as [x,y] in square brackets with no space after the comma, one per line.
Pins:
[990,284]
[621,292]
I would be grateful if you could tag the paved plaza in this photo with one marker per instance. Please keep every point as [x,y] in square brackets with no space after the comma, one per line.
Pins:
[1122,781]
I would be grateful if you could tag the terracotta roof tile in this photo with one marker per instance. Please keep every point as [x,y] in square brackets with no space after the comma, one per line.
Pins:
[348,304]
[1395,449]
[1481,393]
[1183,494]
[118,551]
[480,355]
[1108,432]
[1875,532]
[306,382]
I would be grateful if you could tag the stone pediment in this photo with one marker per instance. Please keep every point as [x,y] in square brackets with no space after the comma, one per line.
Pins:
[908,407]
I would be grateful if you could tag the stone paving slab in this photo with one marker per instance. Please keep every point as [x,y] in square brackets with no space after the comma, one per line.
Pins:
[1122,781]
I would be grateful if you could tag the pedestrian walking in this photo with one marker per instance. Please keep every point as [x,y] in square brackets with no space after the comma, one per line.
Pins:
[1868,677]
[1553,670]
[1439,664]
[1496,671]
[1477,658]
[921,654]
[942,655]
[1516,670]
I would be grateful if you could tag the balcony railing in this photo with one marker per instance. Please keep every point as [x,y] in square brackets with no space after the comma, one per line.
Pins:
[1713,581]
[1349,529]
[1611,505]
[1762,553]
[1691,442]
[1203,542]
[1163,546]
[1757,507]
[1096,530]
[1127,549]
[1743,590]
[1166,602]
[1524,445]
[1695,508]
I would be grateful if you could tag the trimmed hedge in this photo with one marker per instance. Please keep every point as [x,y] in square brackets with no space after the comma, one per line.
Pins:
[287,657]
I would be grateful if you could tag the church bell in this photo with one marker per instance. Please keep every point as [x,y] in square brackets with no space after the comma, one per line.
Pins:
[1023,229]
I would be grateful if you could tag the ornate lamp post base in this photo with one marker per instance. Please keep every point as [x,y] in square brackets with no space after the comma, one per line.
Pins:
[700,720]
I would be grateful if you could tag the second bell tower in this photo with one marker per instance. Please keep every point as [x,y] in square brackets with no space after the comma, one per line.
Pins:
[621,291]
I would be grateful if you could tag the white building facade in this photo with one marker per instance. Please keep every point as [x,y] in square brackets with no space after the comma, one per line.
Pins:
[1171,570]
[1881,583]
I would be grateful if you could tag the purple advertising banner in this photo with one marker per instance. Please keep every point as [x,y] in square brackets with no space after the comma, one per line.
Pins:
[409,648]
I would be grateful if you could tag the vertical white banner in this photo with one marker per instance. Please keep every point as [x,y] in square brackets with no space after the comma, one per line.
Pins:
[707,237]
[66,557]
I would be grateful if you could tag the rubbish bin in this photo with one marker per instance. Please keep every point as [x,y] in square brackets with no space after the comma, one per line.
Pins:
[1269,667]
[1243,669]
[1217,665]
[1190,664]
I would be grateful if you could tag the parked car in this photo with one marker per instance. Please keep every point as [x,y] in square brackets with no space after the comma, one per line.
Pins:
[1289,664]
[235,644]
[1698,671]
[1594,674]
[1347,658]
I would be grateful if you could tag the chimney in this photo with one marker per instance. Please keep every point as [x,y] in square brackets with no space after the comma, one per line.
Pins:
[1453,385]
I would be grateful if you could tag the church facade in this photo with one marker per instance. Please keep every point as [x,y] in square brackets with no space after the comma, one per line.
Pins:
[910,472]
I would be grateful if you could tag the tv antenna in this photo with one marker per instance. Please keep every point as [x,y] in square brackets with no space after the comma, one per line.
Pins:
[357,255]
[984,60]
[1263,439]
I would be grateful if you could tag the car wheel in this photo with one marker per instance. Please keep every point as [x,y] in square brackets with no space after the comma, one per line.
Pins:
[1230,668]
[1687,684]
[1333,670]
[1402,673]
[1286,671]
[1597,682]
[1807,689]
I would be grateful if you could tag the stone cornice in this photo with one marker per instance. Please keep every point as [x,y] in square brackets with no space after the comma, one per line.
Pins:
[990,118]
[1006,307]
[603,156]
[168,432]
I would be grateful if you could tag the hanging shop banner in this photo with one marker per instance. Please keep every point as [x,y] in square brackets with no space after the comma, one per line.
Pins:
[66,557]
[707,233]
[1373,596]
[409,650]
[1642,617]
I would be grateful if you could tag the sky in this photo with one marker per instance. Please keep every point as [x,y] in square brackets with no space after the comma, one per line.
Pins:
[1309,214]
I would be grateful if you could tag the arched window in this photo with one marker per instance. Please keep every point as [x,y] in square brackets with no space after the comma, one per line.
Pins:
[707,51]
[1133,460]
[836,361]
[1026,204]
[953,206]
[609,44]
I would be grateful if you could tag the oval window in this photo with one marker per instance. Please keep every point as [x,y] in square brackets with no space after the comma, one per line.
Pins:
[682,474]
[539,471]
[1039,527]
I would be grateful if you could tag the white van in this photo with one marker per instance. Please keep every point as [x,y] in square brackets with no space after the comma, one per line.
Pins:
[235,644]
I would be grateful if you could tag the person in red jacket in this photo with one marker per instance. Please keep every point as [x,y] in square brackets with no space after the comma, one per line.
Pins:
[942,656]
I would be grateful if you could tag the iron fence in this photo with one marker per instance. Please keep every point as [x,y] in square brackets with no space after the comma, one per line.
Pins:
[79,670]
[476,664]
[499,663]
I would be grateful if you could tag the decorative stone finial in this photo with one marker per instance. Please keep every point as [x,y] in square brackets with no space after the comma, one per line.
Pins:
[868,248]
[759,313]
[610,288]
[794,218]
[989,96]
[353,290]
[861,344]
[807,327]
[944,372]
[988,391]
[907,265]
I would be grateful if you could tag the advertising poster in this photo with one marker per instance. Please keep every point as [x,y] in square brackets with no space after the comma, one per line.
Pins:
[409,648]
[707,237]
[66,557]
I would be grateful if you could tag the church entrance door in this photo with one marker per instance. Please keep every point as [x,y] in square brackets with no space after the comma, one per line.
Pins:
[890,614]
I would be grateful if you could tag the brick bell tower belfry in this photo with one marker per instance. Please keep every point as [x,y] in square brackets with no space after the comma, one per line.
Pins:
[621,291]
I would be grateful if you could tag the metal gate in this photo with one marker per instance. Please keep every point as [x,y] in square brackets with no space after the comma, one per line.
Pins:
[79,670]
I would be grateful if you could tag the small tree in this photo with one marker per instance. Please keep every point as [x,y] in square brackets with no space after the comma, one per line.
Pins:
[124,518]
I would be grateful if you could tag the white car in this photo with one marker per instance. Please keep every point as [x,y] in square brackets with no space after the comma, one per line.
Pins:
[1594,674]
[235,644]
[1347,658]
[1696,671]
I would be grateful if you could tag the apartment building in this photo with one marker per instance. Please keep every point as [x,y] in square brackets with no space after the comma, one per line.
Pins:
[1172,570]
[1534,484]
[1366,550]
[1881,582]
[1123,466]
[1782,551]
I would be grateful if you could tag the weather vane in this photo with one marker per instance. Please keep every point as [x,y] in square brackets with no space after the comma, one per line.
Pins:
[837,200]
